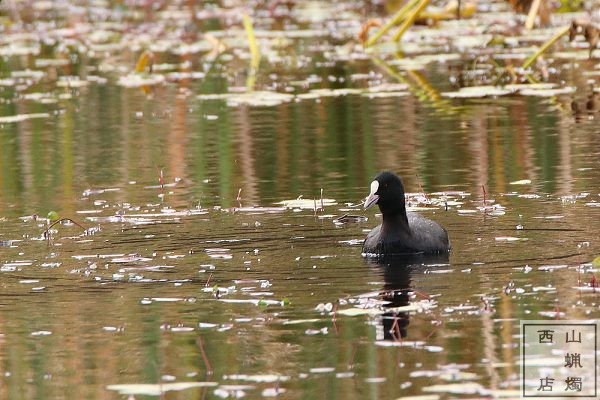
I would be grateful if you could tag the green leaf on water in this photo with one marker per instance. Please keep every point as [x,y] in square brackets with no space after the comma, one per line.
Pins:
[52,216]
[596,262]
[285,302]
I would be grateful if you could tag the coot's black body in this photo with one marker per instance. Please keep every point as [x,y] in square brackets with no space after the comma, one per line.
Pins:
[400,232]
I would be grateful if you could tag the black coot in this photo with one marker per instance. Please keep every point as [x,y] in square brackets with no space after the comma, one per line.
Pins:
[400,232]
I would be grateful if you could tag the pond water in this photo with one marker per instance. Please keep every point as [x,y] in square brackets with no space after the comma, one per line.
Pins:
[194,268]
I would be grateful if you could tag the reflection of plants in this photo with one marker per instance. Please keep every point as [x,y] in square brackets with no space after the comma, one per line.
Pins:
[418,86]
[207,364]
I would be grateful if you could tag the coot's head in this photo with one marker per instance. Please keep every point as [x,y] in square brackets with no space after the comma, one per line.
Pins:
[387,192]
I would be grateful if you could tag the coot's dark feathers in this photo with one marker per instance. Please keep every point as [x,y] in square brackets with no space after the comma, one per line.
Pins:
[400,232]
[424,236]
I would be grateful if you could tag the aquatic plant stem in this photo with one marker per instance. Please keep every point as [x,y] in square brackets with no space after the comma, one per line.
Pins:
[336,329]
[322,205]
[350,365]
[484,197]
[209,370]
[59,221]
[254,52]
[533,11]
[410,20]
[395,330]
[563,31]
[399,16]
[421,187]
[420,88]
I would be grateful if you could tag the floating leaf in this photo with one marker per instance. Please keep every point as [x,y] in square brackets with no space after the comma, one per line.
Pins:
[156,389]
[135,80]
[423,397]
[530,86]
[586,289]
[414,306]
[456,388]
[354,311]
[547,92]
[257,210]
[71,82]
[307,203]
[318,93]
[385,94]
[321,370]
[256,98]
[41,333]
[268,378]
[301,321]
[273,392]
[473,92]
[522,182]
[507,239]
[543,289]
[551,314]
[52,216]
[21,117]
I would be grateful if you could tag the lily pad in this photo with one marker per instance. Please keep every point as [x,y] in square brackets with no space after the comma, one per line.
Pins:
[375,95]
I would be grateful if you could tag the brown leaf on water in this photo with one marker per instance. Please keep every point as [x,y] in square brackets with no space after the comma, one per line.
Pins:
[363,35]
[589,30]
[146,59]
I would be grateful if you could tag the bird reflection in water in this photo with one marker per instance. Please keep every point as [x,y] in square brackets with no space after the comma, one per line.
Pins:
[397,290]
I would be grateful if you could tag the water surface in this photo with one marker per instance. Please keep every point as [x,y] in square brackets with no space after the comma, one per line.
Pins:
[203,276]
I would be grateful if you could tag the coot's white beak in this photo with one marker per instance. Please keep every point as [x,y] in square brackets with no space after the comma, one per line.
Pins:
[372,198]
